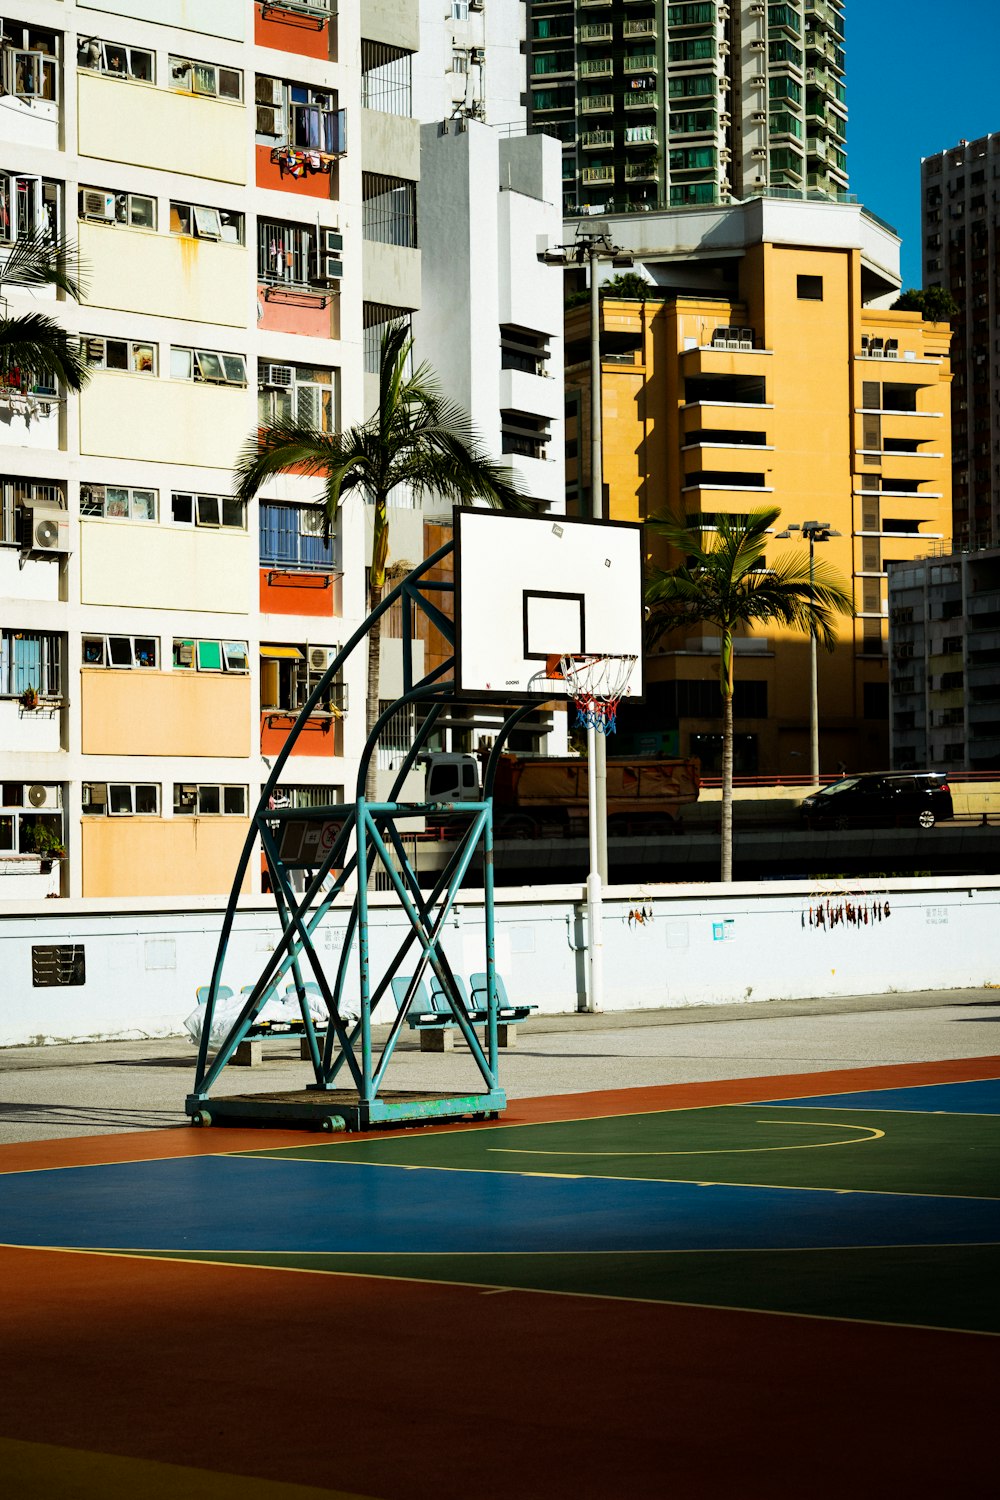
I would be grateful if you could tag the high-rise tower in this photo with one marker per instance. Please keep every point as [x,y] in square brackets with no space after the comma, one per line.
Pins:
[667,105]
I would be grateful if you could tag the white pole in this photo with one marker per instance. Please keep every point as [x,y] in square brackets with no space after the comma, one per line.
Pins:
[813,671]
[597,771]
[595,924]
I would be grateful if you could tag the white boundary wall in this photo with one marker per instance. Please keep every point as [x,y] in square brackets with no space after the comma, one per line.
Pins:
[702,945]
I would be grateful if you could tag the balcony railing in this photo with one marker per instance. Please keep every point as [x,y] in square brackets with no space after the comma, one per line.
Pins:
[596,31]
[592,140]
[641,135]
[639,28]
[644,64]
[640,99]
[591,175]
[597,104]
[596,67]
[640,171]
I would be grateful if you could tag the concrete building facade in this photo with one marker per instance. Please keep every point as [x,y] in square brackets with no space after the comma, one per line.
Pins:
[660,104]
[960,203]
[764,368]
[241,179]
[944,614]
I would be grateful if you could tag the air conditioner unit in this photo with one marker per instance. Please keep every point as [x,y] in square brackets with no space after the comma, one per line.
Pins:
[329,269]
[320,657]
[278,377]
[269,91]
[43,796]
[98,205]
[268,120]
[45,529]
[312,520]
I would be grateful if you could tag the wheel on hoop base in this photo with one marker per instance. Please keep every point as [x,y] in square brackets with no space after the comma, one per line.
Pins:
[333,1124]
[201,1117]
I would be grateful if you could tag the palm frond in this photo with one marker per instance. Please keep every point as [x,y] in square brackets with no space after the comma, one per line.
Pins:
[44,259]
[35,345]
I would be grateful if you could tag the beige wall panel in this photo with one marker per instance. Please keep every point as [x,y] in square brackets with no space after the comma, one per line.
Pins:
[164,713]
[121,121]
[213,17]
[392,275]
[390,144]
[394,21]
[161,856]
[168,275]
[163,421]
[167,567]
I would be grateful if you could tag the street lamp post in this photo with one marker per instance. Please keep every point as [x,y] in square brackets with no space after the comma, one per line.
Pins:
[813,531]
[593,244]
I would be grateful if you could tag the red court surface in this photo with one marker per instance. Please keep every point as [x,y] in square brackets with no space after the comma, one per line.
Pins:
[273,1316]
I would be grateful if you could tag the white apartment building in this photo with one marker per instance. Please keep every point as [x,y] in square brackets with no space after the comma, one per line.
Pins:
[241,179]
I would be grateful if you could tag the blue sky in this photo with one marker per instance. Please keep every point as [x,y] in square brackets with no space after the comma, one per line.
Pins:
[921,74]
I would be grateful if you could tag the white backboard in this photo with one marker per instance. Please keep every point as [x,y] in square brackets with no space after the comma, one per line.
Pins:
[531,587]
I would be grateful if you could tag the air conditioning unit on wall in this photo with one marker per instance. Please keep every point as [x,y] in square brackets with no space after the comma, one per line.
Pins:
[320,657]
[44,528]
[98,205]
[278,377]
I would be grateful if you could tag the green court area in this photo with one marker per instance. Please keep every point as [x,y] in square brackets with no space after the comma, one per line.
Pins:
[852,1150]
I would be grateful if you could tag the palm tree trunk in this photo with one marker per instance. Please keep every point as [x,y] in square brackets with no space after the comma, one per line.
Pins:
[727,785]
[372,700]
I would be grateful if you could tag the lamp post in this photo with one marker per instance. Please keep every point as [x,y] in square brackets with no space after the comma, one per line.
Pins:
[593,244]
[813,531]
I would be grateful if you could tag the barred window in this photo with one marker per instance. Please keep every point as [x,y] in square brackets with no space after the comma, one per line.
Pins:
[15,493]
[30,659]
[376,317]
[389,209]
[386,78]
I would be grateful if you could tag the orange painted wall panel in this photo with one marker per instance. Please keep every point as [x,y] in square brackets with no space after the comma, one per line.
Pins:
[311,594]
[164,713]
[268,174]
[161,856]
[311,316]
[291,33]
[319,737]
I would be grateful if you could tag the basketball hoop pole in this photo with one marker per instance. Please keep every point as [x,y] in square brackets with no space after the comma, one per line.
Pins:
[595,915]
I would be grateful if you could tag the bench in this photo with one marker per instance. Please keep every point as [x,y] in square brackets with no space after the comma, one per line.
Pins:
[434,1018]
[507,1014]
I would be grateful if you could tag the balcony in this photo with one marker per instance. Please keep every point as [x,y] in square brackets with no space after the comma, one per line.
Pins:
[596,67]
[594,140]
[640,28]
[593,175]
[641,135]
[640,99]
[597,104]
[644,64]
[641,171]
[597,31]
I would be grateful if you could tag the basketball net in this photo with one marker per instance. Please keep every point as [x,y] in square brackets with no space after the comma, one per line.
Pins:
[597,684]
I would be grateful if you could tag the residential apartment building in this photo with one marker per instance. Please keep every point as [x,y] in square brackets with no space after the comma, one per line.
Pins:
[763,368]
[944,614]
[241,178]
[471,62]
[660,104]
[960,199]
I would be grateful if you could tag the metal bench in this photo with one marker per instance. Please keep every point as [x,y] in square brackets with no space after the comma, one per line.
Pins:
[507,1014]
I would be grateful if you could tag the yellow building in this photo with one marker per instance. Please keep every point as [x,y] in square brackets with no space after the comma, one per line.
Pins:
[764,367]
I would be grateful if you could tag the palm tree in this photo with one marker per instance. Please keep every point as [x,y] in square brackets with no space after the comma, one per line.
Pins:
[34,344]
[416,440]
[724,583]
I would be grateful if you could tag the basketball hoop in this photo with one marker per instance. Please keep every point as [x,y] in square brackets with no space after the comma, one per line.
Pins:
[597,684]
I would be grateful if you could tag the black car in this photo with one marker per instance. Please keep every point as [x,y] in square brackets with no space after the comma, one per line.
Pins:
[880,799]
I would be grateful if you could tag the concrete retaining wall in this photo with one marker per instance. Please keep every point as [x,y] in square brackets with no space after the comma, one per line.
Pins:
[689,945]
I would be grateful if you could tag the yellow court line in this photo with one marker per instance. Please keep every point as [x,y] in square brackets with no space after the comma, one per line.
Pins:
[873,1135]
[766,1312]
[924,1114]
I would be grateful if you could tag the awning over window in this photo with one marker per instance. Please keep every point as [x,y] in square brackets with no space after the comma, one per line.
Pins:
[279,652]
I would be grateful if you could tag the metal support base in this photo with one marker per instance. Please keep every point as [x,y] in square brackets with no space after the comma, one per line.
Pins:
[334,1110]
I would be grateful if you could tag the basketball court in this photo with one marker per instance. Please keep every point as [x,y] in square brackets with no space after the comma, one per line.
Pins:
[770,1286]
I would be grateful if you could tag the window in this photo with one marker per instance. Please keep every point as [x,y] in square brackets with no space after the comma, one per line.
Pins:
[296,392]
[296,256]
[523,349]
[29,61]
[288,675]
[120,651]
[16,493]
[114,60]
[30,659]
[307,796]
[211,656]
[206,223]
[120,799]
[375,319]
[117,502]
[389,209]
[208,510]
[101,206]
[523,433]
[208,366]
[460,60]
[459,10]
[199,800]
[305,118]
[120,354]
[809,288]
[386,78]
[28,205]
[205,78]
[296,536]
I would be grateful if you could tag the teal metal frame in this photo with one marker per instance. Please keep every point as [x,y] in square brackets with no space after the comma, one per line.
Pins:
[356,837]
